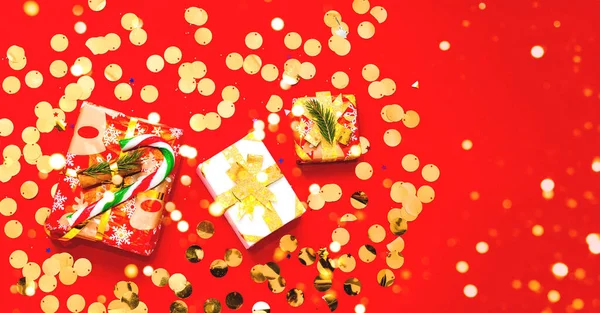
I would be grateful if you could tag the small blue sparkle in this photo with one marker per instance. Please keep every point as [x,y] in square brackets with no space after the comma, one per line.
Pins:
[280,160]
[48,250]
[288,256]
[288,56]
[383,167]
[131,80]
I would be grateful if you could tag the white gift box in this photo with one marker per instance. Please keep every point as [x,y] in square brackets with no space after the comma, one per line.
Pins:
[267,216]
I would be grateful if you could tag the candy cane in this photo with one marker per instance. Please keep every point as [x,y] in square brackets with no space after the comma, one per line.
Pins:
[145,183]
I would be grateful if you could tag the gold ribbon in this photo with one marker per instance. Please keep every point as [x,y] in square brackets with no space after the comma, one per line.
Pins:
[250,189]
[104,217]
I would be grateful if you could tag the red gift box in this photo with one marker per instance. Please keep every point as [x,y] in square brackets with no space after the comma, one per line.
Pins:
[133,225]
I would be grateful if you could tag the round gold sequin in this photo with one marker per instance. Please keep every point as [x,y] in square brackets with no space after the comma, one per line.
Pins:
[275,104]
[34,79]
[425,194]
[187,85]
[411,119]
[113,72]
[218,268]
[58,68]
[18,259]
[29,190]
[47,283]
[213,120]
[400,225]
[322,283]
[331,192]
[11,151]
[11,85]
[117,306]
[379,13]
[361,6]
[177,282]
[123,91]
[367,253]
[234,61]
[398,192]
[410,162]
[31,271]
[14,53]
[307,256]
[131,299]
[359,200]
[430,172]
[149,94]
[198,69]
[230,93]
[43,109]
[376,90]
[203,36]
[67,275]
[346,263]
[288,243]
[141,308]
[366,30]
[49,304]
[332,18]
[277,285]
[396,245]
[138,36]
[253,40]
[197,122]
[348,217]
[196,16]
[51,266]
[82,267]
[269,72]
[352,286]
[85,64]
[155,63]
[73,91]
[292,40]
[160,277]
[389,86]
[234,300]
[376,233]
[19,65]
[96,5]
[392,137]
[271,270]
[295,297]
[252,64]
[59,42]
[112,41]
[412,205]
[194,254]
[31,152]
[257,274]
[315,201]
[206,86]
[30,135]
[340,80]
[178,306]
[339,45]
[385,278]
[312,47]
[75,303]
[393,112]
[233,257]
[8,206]
[363,170]
[25,286]
[212,305]
[97,307]
[172,55]
[307,70]
[394,260]
[129,21]
[65,259]
[6,127]
[341,235]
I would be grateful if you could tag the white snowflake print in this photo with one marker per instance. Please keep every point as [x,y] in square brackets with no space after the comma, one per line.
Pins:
[157,131]
[150,164]
[73,181]
[139,129]
[176,132]
[63,226]
[111,135]
[121,235]
[129,207]
[59,201]
[70,158]
[176,150]
[148,251]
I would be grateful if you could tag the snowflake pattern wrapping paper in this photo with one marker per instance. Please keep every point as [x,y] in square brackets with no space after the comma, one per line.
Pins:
[133,225]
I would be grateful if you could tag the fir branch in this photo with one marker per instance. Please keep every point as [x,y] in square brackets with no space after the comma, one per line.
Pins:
[97,169]
[323,118]
[126,162]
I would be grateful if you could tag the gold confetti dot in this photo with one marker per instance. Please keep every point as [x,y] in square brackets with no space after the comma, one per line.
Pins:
[206,86]
[41,215]
[96,5]
[59,42]
[66,105]
[19,65]
[6,127]
[340,80]
[366,30]
[394,260]
[254,40]
[30,135]
[98,307]
[29,190]
[379,13]
[233,257]
[331,192]
[49,304]
[11,85]
[123,91]
[172,55]
[292,40]
[198,69]
[335,30]
[376,90]
[376,233]
[275,104]
[187,85]
[307,70]
[252,64]
[82,267]
[315,201]
[203,36]
[340,235]
[205,229]
[230,93]
[234,61]
[58,68]
[411,119]
[392,137]
[67,275]
[47,283]
[196,16]
[410,162]
[129,21]
[160,277]
[430,172]
[367,253]
[212,120]
[389,86]
[75,303]
[138,36]
[363,170]
[149,94]
[370,72]
[84,64]
[269,72]
[112,41]
[18,259]
[113,72]
[197,122]
[361,6]
[332,18]
[426,194]
[155,63]
[312,47]
[226,109]
[339,45]
[31,271]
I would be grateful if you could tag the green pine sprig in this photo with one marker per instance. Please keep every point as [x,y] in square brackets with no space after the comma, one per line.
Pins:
[126,162]
[323,117]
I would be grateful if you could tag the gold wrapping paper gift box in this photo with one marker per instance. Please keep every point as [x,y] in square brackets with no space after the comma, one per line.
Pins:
[248,185]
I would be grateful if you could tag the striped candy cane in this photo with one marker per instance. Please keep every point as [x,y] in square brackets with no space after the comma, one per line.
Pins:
[145,183]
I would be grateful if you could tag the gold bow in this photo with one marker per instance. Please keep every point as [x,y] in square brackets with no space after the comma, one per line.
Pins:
[250,188]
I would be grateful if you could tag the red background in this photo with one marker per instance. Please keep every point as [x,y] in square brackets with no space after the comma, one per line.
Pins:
[526,117]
